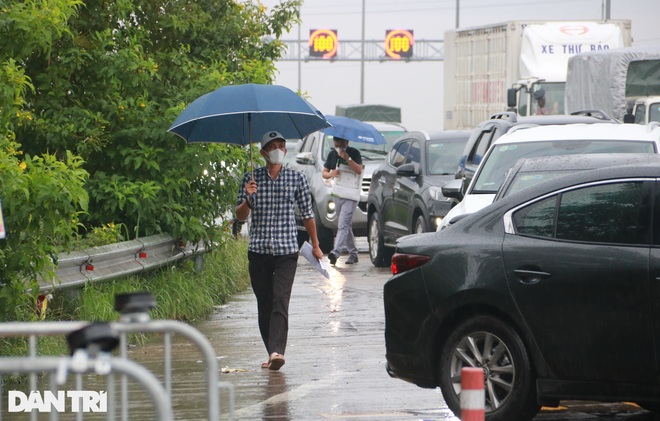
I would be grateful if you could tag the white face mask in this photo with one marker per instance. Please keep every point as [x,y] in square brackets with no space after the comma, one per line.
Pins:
[339,150]
[276,156]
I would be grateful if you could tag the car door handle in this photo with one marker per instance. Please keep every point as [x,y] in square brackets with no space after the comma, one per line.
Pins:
[530,277]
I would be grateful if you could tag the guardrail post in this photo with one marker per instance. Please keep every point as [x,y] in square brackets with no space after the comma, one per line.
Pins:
[199,263]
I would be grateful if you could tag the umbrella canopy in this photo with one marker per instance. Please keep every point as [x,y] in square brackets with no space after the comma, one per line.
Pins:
[353,130]
[240,114]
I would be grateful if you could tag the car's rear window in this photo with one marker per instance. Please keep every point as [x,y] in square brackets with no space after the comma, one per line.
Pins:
[502,157]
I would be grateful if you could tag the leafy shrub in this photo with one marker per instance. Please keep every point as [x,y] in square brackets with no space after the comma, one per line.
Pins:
[42,199]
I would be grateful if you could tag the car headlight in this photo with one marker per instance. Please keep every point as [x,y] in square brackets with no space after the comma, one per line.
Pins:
[436,193]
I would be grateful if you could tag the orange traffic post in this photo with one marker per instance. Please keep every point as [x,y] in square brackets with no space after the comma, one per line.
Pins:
[472,394]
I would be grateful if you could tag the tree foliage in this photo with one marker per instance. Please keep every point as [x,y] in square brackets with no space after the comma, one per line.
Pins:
[87,92]
[110,90]
[42,195]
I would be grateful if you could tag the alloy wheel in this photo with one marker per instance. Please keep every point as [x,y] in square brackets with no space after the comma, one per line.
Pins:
[488,352]
[373,238]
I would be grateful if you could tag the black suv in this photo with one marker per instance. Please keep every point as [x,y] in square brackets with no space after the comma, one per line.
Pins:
[405,194]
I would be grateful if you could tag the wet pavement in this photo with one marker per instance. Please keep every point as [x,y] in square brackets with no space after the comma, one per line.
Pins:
[335,362]
[335,359]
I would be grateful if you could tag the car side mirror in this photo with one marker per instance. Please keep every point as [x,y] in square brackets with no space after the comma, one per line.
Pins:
[453,189]
[457,218]
[511,100]
[305,158]
[407,170]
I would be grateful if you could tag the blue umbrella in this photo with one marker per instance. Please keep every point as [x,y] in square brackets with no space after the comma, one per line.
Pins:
[353,130]
[240,114]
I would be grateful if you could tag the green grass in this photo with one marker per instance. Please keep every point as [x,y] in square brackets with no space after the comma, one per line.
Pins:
[181,293]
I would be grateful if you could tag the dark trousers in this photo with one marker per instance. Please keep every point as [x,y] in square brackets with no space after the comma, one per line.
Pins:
[272,281]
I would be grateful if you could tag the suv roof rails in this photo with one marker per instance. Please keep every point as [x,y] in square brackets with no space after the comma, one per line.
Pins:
[523,126]
[506,115]
[599,114]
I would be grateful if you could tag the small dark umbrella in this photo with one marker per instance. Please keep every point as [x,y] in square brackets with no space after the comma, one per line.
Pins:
[353,130]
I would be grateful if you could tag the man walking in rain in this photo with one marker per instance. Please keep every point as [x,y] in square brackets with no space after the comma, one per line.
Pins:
[271,194]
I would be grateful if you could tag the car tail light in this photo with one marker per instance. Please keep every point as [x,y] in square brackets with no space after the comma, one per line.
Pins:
[403,262]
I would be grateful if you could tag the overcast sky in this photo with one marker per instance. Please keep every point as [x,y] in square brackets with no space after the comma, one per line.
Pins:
[417,87]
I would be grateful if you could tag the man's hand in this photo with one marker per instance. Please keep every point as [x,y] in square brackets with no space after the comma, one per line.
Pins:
[316,251]
[243,209]
[310,227]
[251,188]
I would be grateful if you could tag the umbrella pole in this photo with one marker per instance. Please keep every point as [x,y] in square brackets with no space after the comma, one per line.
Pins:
[250,139]
[251,161]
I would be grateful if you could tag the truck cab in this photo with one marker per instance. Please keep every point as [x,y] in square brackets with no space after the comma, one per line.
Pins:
[647,109]
[525,95]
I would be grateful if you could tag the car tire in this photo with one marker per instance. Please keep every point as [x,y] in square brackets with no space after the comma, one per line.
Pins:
[476,340]
[380,255]
[325,235]
[420,225]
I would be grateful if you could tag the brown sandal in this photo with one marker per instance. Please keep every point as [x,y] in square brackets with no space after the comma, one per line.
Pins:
[276,361]
[265,365]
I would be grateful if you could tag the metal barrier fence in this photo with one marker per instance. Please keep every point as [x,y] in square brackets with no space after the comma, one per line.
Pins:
[81,362]
[134,319]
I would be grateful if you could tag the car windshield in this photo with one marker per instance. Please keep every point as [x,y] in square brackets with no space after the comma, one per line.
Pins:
[528,179]
[367,150]
[443,156]
[504,156]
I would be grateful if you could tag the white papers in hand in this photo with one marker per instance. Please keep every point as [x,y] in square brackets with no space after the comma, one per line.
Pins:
[347,184]
[306,252]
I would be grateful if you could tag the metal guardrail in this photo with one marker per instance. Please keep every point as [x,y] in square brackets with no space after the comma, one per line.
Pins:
[104,263]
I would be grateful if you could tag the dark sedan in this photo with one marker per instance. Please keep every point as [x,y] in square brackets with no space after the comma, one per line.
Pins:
[552,291]
[405,195]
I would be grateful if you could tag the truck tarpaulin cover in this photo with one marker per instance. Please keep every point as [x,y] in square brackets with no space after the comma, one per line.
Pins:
[370,112]
[546,48]
[610,77]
